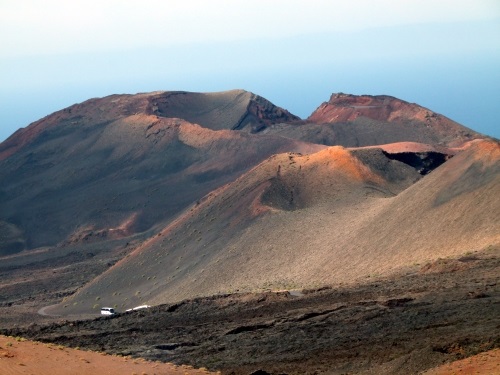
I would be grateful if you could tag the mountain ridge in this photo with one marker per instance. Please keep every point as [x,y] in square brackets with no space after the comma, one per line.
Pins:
[251,112]
[250,191]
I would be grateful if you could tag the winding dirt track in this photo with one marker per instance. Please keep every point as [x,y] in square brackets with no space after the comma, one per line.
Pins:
[43,311]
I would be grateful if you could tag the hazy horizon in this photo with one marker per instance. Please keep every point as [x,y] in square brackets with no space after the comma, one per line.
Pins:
[443,56]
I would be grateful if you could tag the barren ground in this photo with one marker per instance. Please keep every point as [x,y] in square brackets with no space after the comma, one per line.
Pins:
[440,312]
[483,363]
[20,357]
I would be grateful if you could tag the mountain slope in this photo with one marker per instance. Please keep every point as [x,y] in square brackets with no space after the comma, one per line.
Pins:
[335,216]
[107,168]
[219,192]
[122,164]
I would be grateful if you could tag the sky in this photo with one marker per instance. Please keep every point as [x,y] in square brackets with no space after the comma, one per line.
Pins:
[441,54]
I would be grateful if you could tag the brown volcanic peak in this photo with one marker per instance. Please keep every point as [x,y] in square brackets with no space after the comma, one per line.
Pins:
[302,220]
[356,121]
[235,109]
[347,108]
[103,169]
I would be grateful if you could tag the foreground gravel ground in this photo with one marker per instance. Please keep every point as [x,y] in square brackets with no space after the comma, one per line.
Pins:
[444,311]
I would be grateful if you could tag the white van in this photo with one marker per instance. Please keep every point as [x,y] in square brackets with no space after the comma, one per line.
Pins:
[107,311]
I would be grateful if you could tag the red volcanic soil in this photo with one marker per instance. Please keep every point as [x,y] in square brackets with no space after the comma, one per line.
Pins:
[21,357]
[483,363]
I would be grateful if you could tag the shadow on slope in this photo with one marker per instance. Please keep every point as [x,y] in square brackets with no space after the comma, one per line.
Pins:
[106,180]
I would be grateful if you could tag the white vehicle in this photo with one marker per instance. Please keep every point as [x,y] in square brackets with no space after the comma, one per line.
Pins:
[107,311]
[139,308]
